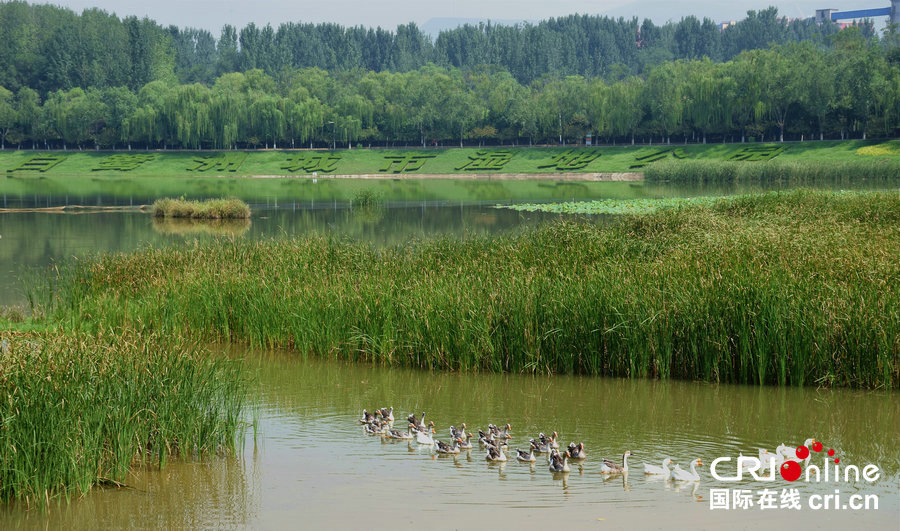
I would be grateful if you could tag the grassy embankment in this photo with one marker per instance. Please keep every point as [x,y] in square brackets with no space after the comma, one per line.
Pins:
[796,288]
[441,161]
[79,410]
[215,209]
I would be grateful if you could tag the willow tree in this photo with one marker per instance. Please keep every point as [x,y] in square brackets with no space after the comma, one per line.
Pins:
[624,107]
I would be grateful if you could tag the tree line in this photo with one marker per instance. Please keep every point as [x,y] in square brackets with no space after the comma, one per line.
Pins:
[48,48]
[791,91]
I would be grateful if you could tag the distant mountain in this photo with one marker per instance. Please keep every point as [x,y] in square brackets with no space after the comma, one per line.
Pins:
[437,25]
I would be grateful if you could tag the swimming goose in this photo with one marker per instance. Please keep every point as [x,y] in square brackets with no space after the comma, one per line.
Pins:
[558,461]
[495,453]
[576,451]
[367,417]
[458,433]
[387,414]
[790,454]
[552,439]
[679,474]
[375,427]
[441,447]
[465,442]
[500,434]
[540,447]
[425,437]
[419,423]
[397,434]
[663,470]
[526,457]
[608,467]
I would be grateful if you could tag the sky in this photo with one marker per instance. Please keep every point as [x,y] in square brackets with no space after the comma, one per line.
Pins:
[213,14]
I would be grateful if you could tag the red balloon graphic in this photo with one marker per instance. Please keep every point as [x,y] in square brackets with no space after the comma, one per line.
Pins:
[836,461]
[831,452]
[817,447]
[791,470]
[802,452]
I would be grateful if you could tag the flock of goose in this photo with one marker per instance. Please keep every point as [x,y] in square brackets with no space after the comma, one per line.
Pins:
[495,442]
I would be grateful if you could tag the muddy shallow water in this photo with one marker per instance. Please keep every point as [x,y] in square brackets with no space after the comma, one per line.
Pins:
[311,466]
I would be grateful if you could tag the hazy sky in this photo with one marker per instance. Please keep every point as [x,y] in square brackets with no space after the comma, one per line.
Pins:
[213,14]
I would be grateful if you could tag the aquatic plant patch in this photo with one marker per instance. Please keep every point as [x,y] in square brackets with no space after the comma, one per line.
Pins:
[404,163]
[757,153]
[615,206]
[209,209]
[487,160]
[230,162]
[123,162]
[41,163]
[572,160]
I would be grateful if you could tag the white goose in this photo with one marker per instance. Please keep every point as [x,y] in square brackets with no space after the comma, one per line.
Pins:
[679,474]
[425,437]
[790,454]
[654,470]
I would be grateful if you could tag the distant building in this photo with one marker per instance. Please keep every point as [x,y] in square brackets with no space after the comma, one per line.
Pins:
[723,25]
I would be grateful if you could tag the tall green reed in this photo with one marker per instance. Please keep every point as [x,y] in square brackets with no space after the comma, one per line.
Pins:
[796,288]
[80,409]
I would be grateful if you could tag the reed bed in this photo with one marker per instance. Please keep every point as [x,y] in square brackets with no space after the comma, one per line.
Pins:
[792,172]
[795,288]
[208,209]
[79,410]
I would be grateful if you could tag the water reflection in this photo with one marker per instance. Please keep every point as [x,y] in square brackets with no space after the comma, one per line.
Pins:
[313,461]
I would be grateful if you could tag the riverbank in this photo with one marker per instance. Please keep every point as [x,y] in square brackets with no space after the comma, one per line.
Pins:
[568,163]
[781,288]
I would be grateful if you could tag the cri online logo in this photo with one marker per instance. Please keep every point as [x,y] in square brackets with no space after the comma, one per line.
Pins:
[791,462]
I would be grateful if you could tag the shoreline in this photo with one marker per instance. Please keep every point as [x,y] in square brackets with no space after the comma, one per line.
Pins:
[590,177]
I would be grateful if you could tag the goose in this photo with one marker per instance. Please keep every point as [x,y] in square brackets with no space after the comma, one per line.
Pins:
[609,467]
[375,427]
[458,433]
[465,442]
[552,440]
[441,447]
[540,447]
[767,458]
[425,437]
[419,423]
[367,417]
[397,434]
[558,461]
[495,453]
[387,414]
[576,451]
[679,474]
[663,470]
[500,434]
[526,457]
[790,454]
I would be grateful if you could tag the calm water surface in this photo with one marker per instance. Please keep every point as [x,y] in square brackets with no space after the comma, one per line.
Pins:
[32,241]
[311,466]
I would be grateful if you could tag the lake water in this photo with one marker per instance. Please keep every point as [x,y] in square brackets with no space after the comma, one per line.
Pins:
[32,241]
[311,466]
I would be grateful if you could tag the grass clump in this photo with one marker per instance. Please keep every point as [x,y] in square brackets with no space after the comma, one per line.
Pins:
[790,172]
[796,288]
[79,410]
[209,209]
